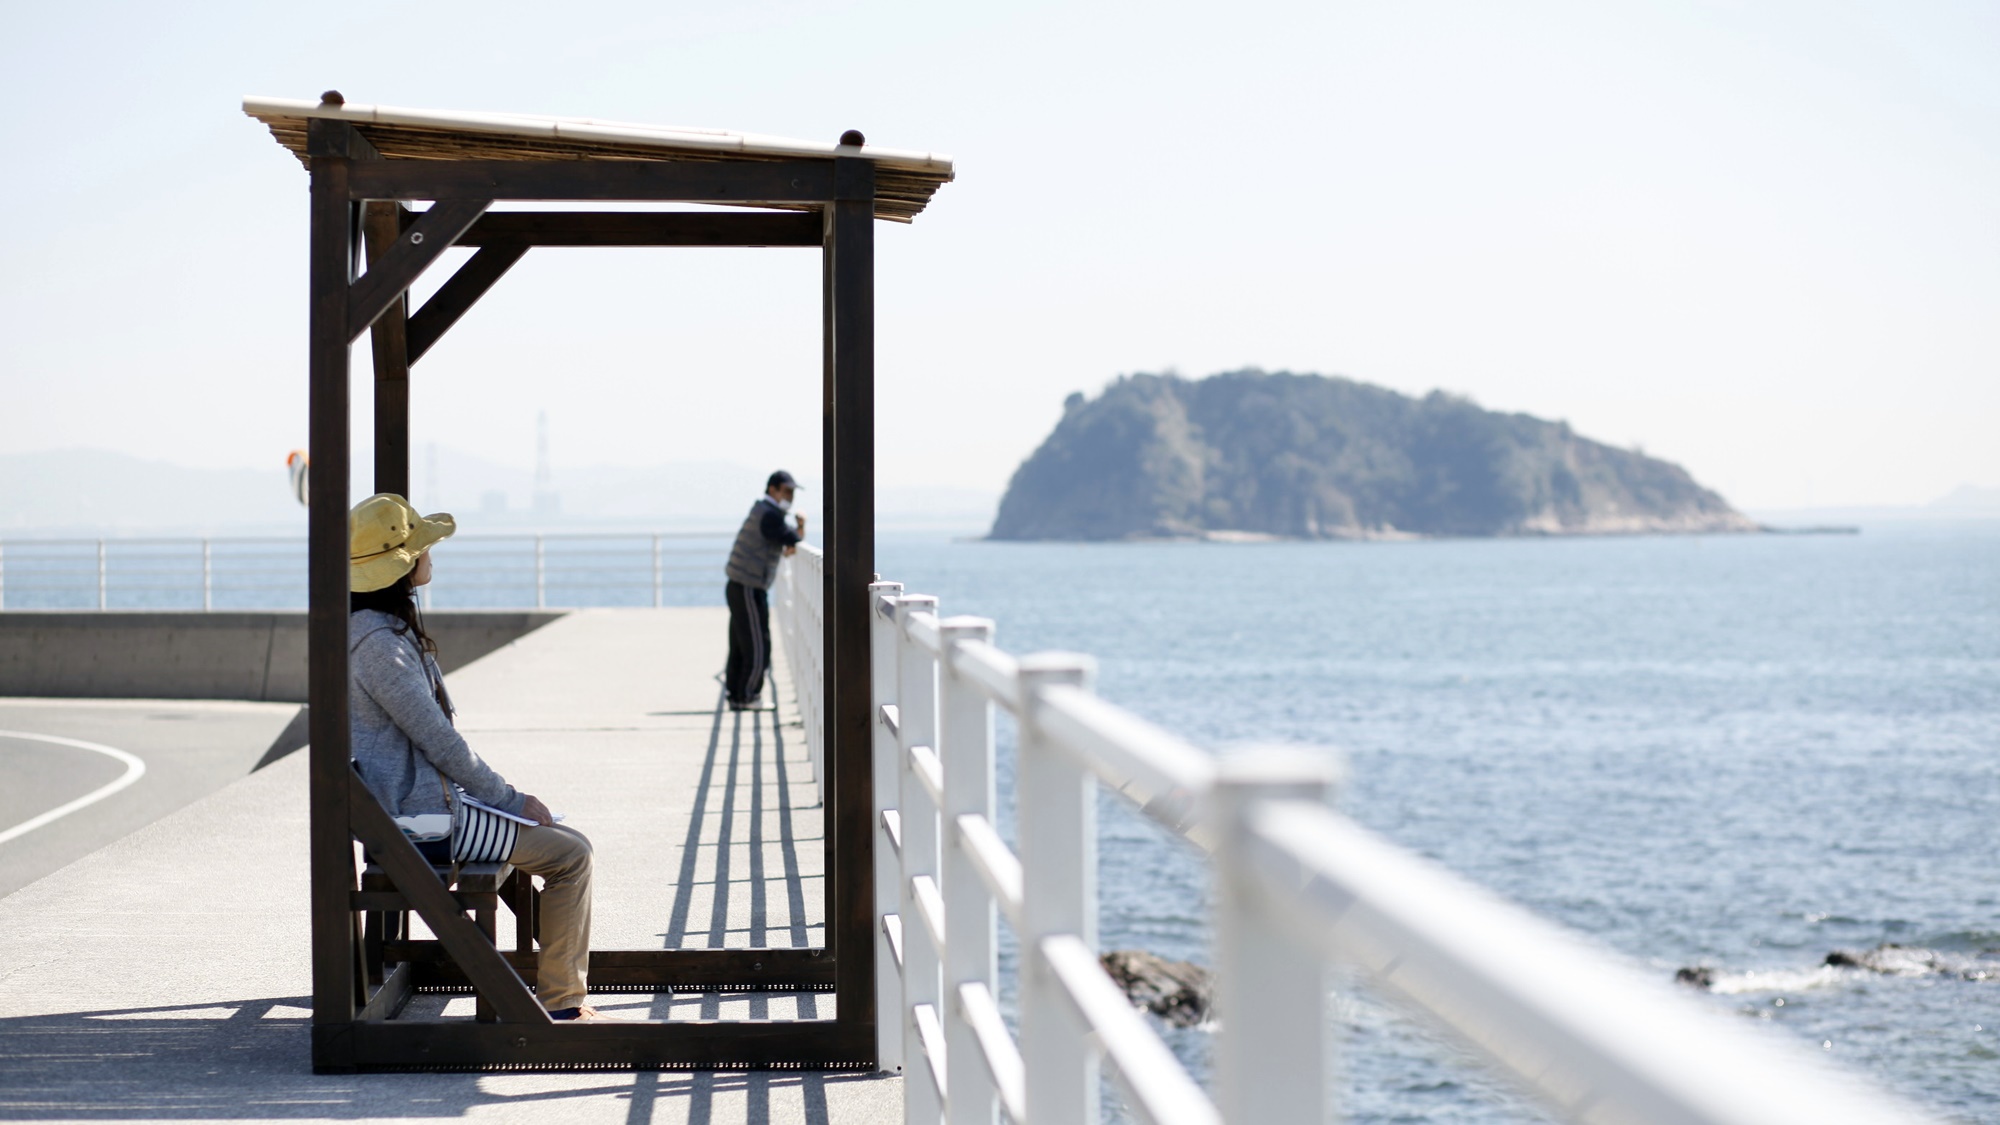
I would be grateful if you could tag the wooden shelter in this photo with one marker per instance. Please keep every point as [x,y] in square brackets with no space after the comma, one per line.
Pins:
[365,163]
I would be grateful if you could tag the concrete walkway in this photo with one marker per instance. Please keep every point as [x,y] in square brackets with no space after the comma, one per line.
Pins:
[166,976]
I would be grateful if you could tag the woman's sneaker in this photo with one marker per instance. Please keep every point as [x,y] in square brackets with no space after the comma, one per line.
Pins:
[580,1012]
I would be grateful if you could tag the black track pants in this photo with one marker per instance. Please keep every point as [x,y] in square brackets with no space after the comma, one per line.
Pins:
[749,641]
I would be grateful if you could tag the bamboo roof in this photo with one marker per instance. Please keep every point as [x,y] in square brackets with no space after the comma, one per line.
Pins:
[905,179]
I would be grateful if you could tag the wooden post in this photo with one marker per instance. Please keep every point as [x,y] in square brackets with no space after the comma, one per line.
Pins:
[331,269]
[383,223]
[849,468]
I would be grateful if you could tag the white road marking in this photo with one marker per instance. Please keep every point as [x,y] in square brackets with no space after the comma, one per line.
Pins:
[134,770]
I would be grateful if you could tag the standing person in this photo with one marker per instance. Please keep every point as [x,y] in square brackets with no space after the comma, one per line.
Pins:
[419,766]
[753,564]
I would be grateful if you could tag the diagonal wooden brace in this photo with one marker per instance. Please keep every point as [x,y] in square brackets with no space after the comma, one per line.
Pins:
[489,972]
[388,277]
[457,295]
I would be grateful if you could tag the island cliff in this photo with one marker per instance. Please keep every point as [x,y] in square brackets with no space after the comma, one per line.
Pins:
[1312,457]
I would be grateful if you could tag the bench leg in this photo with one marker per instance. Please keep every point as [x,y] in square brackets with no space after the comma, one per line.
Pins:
[361,981]
[484,918]
[374,923]
[521,900]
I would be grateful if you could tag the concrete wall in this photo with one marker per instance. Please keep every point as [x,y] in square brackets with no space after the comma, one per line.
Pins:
[254,656]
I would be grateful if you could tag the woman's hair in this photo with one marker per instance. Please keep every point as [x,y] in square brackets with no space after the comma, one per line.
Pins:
[399,600]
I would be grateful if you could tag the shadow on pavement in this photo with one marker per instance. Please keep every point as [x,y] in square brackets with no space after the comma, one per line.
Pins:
[246,1059]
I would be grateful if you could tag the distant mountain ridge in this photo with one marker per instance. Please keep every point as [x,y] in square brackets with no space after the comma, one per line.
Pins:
[85,491]
[92,492]
[1318,457]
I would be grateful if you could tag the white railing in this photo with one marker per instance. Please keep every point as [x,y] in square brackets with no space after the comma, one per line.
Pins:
[1298,889]
[559,571]
[799,601]
[149,573]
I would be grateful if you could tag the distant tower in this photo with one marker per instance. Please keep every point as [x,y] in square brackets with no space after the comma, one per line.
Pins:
[547,503]
[433,498]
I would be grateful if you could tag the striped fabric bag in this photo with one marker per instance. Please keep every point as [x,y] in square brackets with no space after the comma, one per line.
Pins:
[480,835]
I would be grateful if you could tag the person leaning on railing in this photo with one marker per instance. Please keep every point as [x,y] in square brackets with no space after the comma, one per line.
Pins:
[753,563]
[419,766]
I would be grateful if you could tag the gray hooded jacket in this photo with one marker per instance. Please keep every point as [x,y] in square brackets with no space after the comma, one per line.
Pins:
[403,743]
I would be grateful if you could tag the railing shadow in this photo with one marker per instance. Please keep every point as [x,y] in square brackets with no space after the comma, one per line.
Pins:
[747,791]
[245,1060]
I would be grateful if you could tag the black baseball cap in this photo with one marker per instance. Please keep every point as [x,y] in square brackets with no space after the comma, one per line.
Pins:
[781,477]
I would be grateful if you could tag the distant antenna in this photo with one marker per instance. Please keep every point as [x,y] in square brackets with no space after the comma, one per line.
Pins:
[542,473]
[547,503]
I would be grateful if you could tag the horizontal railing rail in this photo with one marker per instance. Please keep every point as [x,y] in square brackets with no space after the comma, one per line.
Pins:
[1299,889]
[557,571]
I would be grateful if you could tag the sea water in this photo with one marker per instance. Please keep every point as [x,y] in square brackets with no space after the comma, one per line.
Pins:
[1737,753]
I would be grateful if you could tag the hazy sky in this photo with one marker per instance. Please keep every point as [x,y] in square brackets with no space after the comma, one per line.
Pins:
[1762,239]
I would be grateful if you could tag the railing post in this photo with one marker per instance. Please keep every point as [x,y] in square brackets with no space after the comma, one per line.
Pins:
[207,579]
[1056,810]
[657,575]
[966,732]
[3,575]
[916,706]
[541,593]
[102,600]
[888,867]
[1276,1065]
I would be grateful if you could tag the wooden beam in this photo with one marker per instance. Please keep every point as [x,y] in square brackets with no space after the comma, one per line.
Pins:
[382,224]
[458,294]
[690,181]
[774,970]
[331,850]
[429,237]
[496,980]
[849,450]
[645,228]
[338,139]
[390,998]
[641,1045]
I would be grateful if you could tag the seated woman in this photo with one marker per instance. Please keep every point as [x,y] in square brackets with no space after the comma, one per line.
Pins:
[417,764]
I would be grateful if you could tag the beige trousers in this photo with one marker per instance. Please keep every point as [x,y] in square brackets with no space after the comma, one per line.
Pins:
[561,856]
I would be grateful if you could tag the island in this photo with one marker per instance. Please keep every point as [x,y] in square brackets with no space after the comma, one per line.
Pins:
[1251,454]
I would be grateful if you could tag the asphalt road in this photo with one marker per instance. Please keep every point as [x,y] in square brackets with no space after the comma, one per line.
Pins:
[190,749]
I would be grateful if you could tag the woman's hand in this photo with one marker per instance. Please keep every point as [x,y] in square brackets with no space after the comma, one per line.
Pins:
[534,809]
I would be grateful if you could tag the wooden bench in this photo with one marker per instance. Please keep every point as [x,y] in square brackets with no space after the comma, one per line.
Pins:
[480,889]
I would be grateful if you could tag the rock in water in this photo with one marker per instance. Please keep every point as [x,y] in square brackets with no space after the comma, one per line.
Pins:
[1249,454]
[1698,976]
[1176,991]
[1891,959]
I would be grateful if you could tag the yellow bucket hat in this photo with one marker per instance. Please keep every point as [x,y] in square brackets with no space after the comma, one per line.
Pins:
[385,537]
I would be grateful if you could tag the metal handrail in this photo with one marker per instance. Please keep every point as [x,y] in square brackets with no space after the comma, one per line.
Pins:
[1298,889]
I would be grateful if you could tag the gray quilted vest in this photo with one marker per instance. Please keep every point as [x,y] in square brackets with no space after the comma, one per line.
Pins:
[753,561]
